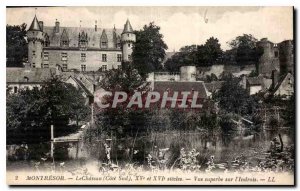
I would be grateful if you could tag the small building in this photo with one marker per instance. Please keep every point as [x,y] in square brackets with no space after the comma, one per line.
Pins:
[184,86]
[20,78]
[254,85]
[78,84]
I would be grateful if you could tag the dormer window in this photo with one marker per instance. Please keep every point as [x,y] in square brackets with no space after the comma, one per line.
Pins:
[82,41]
[103,40]
[64,40]
[103,44]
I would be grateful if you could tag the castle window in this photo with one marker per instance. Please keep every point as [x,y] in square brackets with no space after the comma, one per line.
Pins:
[83,68]
[33,65]
[15,89]
[128,44]
[104,44]
[83,57]
[119,57]
[64,56]
[33,53]
[65,67]
[104,67]
[128,35]
[46,55]
[45,65]
[65,43]
[104,58]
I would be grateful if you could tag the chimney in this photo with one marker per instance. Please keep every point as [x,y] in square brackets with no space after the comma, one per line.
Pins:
[56,26]
[275,76]
[41,23]
[96,26]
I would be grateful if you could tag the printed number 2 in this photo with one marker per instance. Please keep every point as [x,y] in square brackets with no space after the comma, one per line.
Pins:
[16,177]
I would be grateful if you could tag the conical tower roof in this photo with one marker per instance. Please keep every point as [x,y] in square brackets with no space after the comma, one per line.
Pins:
[127,27]
[35,25]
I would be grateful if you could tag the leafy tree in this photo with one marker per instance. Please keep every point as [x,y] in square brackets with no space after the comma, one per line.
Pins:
[16,45]
[233,98]
[148,50]
[212,51]
[289,112]
[31,112]
[246,51]
[196,55]
[122,121]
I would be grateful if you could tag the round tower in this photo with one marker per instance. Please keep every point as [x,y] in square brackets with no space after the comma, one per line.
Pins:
[266,59]
[127,39]
[286,56]
[35,44]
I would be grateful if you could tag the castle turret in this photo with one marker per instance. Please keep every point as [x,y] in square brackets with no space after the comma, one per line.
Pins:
[35,44]
[127,38]
[268,61]
[286,56]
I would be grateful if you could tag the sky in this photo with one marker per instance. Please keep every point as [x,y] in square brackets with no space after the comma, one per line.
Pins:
[180,26]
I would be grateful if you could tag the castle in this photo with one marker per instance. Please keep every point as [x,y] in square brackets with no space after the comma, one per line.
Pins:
[276,57]
[78,48]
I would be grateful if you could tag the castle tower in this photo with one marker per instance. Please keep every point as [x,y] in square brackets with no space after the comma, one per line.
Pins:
[269,60]
[35,44]
[127,39]
[286,56]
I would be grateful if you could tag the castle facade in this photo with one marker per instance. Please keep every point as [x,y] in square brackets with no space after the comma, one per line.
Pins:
[78,48]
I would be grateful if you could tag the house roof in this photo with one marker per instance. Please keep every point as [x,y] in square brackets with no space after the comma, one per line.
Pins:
[254,80]
[199,86]
[35,25]
[73,32]
[82,86]
[280,82]
[32,75]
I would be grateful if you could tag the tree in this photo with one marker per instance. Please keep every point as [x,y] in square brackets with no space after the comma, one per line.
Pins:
[289,112]
[213,51]
[148,50]
[246,51]
[196,55]
[122,121]
[16,45]
[31,112]
[233,98]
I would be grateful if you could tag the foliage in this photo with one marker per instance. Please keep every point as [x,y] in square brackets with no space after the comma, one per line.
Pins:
[122,121]
[233,98]
[16,45]
[245,48]
[148,50]
[289,112]
[31,112]
[196,55]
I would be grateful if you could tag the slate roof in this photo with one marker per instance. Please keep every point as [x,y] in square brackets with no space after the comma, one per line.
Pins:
[254,80]
[278,84]
[73,32]
[127,27]
[34,75]
[162,86]
[35,25]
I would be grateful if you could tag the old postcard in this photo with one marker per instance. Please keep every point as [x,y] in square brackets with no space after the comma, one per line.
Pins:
[150,96]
